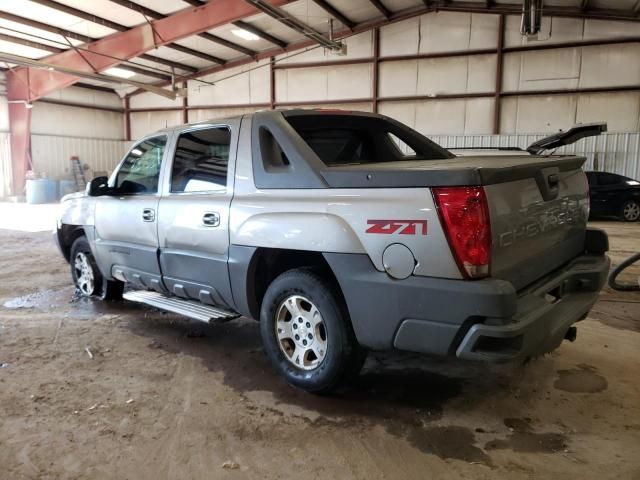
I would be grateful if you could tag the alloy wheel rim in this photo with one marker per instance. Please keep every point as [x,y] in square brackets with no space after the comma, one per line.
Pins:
[84,274]
[301,332]
[631,211]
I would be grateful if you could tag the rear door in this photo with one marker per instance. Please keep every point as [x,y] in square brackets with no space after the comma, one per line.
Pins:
[126,220]
[608,195]
[193,215]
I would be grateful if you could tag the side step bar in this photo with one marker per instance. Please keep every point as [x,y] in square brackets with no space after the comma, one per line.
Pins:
[188,308]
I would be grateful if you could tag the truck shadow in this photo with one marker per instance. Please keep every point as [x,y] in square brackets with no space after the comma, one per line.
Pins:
[405,394]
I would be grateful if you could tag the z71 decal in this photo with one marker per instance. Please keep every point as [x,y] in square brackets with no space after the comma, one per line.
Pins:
[403,227]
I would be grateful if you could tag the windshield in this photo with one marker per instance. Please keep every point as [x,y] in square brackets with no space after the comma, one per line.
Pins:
[358,139]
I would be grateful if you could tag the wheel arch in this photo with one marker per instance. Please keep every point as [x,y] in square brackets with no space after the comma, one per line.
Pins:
[253,269]
[67,234]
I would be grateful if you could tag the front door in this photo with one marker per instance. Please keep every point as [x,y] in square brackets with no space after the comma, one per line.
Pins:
[193,215]
[126,220]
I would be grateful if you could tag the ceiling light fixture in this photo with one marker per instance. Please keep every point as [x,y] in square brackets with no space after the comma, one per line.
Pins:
[245,35]
[119,72]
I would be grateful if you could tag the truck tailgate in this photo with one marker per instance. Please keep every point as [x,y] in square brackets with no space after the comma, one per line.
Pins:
[536,228]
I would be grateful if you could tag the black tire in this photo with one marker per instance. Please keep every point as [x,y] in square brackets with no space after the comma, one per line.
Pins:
[630,211]
[101,288]
[343,357]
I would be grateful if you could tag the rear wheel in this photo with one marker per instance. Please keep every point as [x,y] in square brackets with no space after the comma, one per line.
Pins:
[307,333]
[631,211]
[87,277]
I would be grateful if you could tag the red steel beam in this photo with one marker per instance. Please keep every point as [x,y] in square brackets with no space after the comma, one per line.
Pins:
[128,44]
[20,129]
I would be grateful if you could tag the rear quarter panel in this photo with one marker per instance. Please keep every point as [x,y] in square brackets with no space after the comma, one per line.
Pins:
[336,220]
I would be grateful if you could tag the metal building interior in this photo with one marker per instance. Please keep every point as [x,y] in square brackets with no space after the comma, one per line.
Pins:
[106,390]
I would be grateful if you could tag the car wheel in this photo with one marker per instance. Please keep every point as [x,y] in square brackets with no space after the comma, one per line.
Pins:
[87,277]
[631,211]
[307,333]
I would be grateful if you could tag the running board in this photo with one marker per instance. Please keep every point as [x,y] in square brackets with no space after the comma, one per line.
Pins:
[188,308]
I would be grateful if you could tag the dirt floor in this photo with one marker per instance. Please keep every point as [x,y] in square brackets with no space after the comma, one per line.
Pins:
[107,390]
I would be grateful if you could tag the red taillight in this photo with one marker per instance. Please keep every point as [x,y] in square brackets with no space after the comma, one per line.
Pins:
[465,218]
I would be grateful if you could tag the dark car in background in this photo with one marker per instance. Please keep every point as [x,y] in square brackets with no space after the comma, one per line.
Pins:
[614,195]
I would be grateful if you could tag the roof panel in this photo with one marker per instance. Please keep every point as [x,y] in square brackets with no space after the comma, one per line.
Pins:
[211,48]
[35,35]
[226,32]
[163,6]
[107,9]
[356,10]
[170,54]
[50,16]
[22,50]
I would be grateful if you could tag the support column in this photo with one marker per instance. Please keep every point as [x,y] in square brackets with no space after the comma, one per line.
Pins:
[272,83]
[20,129]
[499,65]
[185,105]
[376,70]
[127,118]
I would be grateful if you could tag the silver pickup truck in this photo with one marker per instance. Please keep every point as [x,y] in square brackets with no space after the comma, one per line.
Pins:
[342,232]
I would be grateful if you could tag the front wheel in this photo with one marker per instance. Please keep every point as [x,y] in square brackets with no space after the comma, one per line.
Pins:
[87,277]
[631,211]
[307,333]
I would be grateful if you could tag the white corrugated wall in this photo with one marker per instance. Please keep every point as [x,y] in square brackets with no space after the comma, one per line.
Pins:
[51,154]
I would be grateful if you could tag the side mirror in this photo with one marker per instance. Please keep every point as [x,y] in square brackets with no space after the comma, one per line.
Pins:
[98,186]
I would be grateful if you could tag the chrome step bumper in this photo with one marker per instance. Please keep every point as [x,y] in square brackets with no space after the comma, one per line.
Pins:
[188,308]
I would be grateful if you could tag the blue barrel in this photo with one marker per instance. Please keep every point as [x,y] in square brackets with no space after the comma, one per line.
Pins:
[42,190]
[66,187]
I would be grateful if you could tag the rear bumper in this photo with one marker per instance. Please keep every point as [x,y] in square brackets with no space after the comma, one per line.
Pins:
[484,320]
[544,314]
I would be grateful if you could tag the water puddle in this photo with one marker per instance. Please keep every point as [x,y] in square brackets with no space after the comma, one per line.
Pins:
[583,379]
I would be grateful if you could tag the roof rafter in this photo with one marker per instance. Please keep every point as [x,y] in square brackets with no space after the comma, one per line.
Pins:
[386,13]
[335,13]
[85,39]
[147,12]
[260,33]
[294,23]
[246,26]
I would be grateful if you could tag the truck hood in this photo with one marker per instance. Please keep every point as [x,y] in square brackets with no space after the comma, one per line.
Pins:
[72,196]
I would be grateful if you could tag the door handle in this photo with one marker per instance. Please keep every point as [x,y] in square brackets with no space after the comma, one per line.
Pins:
[211,219]
[148,215]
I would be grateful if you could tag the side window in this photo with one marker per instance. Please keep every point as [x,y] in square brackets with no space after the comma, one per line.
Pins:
[609,179]
[592,178]
[402,147]
[140,171]
[201,161]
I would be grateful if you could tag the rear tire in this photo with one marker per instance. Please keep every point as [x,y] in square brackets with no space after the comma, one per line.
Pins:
[87,276]
[630,211]
[307,333]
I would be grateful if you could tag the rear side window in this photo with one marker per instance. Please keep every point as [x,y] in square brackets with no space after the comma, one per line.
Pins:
[610,179]
[355,140]
[201,160]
